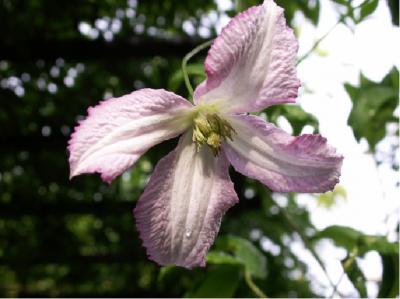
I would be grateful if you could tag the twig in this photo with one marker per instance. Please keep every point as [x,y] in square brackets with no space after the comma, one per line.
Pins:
[187,58]
[318,41]
[305,240]
[253,286]
[346,266]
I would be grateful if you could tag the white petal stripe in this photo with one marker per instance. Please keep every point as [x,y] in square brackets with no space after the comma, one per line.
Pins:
[118,131]
[282,162]
[179,213]
[251,65]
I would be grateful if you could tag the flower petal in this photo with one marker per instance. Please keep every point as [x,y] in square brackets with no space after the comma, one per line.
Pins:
[282,162]
[118,131]
[250,66]
[179,213]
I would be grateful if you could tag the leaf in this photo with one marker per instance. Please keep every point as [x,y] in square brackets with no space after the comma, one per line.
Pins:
[219,257]
[170,274]
[373,107]
[346,237]
[328,199]
[350,238]
[380,244]
[389,287]
[355,275]
[195,69]
[367,9]
[297,117]
[394,11]
[242,5]
[246,253]
[221,282]
[310,9]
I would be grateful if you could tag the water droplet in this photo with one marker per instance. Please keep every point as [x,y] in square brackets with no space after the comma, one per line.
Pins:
[188,233]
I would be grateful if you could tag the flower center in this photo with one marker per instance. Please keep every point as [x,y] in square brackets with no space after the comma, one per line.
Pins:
[211,129]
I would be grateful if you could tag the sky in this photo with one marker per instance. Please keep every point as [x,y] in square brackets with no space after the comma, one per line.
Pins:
[371,205]
[372,196]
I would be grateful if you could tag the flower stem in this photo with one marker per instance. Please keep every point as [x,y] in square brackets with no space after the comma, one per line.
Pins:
[318,41]
[316,44]
[346,267]
[305,240]
[256,290]
[187,58]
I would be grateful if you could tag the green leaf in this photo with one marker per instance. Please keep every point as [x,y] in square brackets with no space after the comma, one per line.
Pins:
[242,5]
[296,116]
[246,253]
[373,107]
[350,238]
[389,287]
[380,244]
[394,11]
[170,274]
[355,275]
[221,282]
[219,257]
[194,69]
[346,237]
[368,8]
[329,199]
[310,9]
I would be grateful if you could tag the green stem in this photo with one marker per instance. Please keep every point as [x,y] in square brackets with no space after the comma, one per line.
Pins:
[256,290]
[318,41]
[305,240]
[346,266]
[187,58]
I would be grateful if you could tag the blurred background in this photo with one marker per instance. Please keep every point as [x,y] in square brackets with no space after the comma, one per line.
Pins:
[63,238]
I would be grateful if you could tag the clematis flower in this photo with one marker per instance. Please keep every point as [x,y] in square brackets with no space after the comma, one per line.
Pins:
[249,67]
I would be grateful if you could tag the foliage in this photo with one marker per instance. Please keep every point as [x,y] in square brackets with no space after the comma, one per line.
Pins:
[356,14]
[63,238]
[349,238]
[329,199]
[356,276]
[357,244]
[244,253]
[373,107]
[389,287]
[394,10]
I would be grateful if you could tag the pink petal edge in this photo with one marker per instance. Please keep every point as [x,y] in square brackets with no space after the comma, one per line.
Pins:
[179,214]
[251,64]
[118,131]
[282,162]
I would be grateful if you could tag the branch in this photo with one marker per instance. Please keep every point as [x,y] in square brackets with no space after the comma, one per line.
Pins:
[305,240]
[318,41]
[256,290]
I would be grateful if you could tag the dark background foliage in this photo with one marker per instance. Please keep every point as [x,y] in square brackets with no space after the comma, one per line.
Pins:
[77,238]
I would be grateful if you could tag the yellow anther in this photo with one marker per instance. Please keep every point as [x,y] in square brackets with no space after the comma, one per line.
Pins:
[211,129]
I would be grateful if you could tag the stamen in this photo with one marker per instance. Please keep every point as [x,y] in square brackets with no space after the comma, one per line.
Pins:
[212,130]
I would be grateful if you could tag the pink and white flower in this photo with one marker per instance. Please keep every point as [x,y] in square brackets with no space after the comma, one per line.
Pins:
[249,67]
